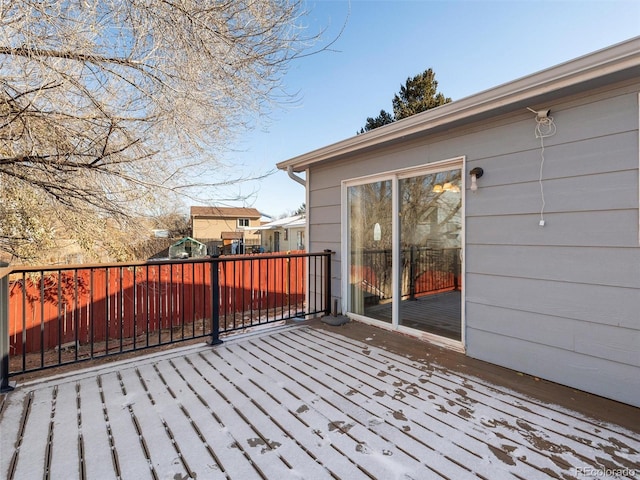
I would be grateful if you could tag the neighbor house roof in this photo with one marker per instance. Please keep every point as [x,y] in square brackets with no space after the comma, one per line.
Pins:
[286,222]
[616,63]
[225,212]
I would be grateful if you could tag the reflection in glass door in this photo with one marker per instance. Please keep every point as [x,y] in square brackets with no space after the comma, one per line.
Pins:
[370,234]
[404,242]
[430,244]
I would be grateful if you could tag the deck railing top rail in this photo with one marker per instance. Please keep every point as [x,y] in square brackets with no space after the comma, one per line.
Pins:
[7,268]
[54,315]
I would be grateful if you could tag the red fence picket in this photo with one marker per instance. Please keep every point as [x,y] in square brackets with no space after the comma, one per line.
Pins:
[109,304]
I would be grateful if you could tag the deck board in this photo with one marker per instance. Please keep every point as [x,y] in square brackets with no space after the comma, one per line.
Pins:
[65,433]
[236,412]
[296,402]
[295,417]
[331,420]
[31,459]
[357,413]
[92,432]
[271,424]
[130,458]
[388,404]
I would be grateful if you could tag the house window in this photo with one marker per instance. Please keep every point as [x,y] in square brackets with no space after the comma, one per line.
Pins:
[243,222]
[286,234]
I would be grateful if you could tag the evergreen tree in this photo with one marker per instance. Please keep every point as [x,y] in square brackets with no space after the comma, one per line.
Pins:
[418,94]
[383,119]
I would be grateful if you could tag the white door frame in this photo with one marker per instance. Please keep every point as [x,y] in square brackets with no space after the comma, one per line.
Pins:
[395,176]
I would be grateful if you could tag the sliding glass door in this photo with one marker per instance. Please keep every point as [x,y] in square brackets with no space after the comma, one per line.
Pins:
[405,238]
[370,239]
[430,252]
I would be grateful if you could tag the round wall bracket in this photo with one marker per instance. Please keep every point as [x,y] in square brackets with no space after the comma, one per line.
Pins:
[477,171]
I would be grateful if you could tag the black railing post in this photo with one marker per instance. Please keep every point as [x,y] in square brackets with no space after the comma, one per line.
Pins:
[456,267]
[327,281]
[4,331]
[215,303]
[412,272]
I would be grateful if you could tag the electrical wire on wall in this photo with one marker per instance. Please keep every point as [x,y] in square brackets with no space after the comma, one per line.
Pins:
[544,128]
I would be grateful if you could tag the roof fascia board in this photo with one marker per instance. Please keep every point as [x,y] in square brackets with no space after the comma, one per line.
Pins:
[620,57]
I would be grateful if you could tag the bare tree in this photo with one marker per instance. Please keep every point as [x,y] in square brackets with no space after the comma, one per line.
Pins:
[107,105]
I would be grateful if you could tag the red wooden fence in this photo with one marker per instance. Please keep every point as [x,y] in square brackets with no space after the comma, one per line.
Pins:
[98,304]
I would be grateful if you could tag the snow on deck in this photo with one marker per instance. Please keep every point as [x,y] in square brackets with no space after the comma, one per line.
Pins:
[296,403]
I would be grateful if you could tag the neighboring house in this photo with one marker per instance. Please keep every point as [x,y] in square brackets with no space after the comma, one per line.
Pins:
[504,224]
[284,234]
[227,225]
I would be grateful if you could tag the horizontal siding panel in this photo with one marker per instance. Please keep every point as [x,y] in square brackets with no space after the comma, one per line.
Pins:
[331,175]
[604,341]
[325,233]
[609,116]
[600,266]
[327,215]
[591,303]
[591,120]
[601,341]
[602,377]
[326,197]
[610,153]
[603,118]
[320,246]
[614,228]
[567,160]
[545,329]
[488,142]
[607,191]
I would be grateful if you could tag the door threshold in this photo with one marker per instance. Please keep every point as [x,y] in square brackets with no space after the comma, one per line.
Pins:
[448,343]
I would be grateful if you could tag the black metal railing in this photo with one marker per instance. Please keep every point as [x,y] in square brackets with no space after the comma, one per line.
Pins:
[425,270]
[53,316]
[430,270]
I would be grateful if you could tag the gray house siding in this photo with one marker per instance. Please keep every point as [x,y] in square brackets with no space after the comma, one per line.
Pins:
[561,302]
[323,215]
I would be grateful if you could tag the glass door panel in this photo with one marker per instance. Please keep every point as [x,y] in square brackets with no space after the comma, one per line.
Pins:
[370,242]
[430,213]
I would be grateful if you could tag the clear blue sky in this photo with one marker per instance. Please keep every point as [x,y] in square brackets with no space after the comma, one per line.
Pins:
[472,45]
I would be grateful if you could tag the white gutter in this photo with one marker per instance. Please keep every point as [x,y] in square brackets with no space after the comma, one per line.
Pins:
[293,176]
[588,68]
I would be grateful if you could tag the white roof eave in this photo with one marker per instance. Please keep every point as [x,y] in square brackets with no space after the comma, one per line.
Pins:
[588,68]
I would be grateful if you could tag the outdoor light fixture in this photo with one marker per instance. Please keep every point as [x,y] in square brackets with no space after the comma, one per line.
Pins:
[438,189]
[476,173]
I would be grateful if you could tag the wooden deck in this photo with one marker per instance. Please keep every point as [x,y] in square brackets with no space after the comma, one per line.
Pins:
[298,402]
[438,313]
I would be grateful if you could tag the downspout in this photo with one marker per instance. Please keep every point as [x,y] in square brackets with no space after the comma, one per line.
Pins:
[303,182]
[293,176]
